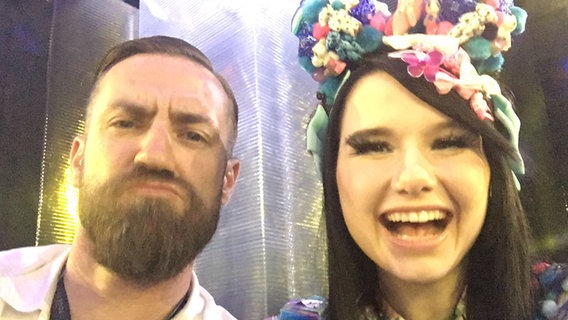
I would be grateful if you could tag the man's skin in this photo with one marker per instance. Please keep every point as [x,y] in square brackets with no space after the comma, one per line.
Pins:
[165,113]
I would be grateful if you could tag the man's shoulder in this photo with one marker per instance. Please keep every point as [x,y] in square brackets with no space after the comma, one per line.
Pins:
[202,305]
[28,276]
[22,260]
[211,309]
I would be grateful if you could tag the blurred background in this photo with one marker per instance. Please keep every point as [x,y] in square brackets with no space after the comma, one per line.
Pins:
[269,246]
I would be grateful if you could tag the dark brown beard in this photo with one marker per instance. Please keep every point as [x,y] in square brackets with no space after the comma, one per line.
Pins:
[145,240]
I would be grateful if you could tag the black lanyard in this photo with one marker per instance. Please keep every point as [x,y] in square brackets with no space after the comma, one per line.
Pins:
[60,306]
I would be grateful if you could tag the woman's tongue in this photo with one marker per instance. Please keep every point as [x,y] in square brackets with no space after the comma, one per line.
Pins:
[408,229]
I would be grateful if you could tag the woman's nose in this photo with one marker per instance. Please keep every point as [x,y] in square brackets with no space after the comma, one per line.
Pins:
[415,174]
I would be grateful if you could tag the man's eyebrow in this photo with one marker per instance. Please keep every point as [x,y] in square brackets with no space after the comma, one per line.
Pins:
[140,111]
[182,117]
[132,108]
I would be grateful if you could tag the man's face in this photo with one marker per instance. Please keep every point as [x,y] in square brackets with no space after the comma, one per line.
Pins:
[153,168]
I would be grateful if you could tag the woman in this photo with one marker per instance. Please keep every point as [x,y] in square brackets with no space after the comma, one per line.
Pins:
[395,149]
[419,158]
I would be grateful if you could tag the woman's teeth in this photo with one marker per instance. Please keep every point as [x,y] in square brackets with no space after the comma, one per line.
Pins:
[416,224]
[417,216]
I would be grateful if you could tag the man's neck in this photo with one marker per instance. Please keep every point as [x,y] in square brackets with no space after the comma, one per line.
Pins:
[95,292]
[423,301]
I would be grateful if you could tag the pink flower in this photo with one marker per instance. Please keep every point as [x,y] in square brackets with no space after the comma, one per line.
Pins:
[423,63]
[320,32]
[378,21]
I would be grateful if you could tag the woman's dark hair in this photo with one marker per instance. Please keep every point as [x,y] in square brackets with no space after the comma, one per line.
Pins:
[498,270]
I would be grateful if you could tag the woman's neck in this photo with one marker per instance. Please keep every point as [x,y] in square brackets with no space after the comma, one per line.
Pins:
[423,301]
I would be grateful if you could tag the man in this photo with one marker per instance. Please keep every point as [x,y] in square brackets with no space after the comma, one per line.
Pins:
[152,168]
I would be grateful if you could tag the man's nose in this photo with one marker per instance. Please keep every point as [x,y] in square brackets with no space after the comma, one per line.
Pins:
[415,174]
[156,149]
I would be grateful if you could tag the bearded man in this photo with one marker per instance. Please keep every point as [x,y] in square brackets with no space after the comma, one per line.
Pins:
[153,168]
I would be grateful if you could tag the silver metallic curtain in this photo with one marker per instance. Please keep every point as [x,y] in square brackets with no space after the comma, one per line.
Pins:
[81,31]
[270,243]
[269,246]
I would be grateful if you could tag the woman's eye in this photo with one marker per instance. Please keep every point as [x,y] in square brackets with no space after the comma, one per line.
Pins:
[453,142]
[366,147]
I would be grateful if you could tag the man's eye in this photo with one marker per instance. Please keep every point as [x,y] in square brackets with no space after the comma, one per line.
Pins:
[124,124]
[193,136]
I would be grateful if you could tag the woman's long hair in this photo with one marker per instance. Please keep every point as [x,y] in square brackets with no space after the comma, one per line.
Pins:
[498,270]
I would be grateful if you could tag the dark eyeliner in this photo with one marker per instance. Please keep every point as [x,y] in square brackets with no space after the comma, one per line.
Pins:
[456,141]
[361,145]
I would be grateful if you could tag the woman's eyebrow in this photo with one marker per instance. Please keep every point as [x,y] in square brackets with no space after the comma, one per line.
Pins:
[448,124]
[367,133]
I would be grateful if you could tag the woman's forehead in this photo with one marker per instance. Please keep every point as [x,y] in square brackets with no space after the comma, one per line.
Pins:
[378,98]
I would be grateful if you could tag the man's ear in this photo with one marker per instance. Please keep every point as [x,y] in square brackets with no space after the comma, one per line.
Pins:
[230,179]
[76,158]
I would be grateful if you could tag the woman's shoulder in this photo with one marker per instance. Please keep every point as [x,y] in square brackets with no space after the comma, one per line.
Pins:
[550,282]
[310,308]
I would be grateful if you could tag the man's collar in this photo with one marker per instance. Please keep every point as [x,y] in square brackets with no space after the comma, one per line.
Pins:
[31,282]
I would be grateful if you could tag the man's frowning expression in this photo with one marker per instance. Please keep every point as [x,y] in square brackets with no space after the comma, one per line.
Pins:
[156,152]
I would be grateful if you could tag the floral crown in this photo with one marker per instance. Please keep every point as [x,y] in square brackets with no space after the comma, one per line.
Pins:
[454,44]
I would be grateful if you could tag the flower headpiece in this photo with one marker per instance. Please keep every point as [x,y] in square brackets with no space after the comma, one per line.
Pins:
[454,44]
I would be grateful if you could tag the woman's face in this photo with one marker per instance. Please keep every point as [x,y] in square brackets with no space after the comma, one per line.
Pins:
[413,184]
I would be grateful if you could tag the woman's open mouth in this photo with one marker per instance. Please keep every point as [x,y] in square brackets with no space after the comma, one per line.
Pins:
[416,224]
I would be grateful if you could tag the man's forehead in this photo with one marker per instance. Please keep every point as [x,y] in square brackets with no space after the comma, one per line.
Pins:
[152,67]
[172,86]
[158,74]
[155,79]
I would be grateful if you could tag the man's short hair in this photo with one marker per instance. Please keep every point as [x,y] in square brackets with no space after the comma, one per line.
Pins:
[168,46]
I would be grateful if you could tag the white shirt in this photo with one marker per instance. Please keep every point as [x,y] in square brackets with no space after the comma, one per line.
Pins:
[28,279]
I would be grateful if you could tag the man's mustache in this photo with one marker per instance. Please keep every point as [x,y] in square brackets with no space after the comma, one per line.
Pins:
[145,174]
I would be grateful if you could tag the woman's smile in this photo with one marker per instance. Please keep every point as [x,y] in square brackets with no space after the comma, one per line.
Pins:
[417,224]
[413,183]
